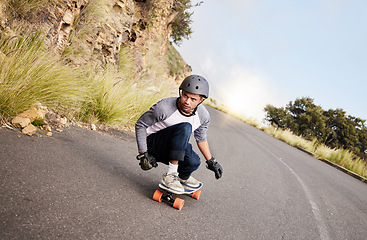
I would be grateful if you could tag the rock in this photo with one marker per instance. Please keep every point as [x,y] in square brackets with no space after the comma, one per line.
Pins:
[63,121]
[93,127]
[20,122]
[49,134]
[47,127]
[33,114]
[68,17]
[29,130]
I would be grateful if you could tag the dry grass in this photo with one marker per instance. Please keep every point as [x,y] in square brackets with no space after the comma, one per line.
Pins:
[30,76]
[114,99]
[341,157]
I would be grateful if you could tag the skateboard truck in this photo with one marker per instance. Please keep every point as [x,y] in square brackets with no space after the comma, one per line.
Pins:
[169,198]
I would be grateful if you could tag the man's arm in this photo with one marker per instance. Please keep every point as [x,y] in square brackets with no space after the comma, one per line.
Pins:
[141,133]
[211,163]
[150,117]
[204,148]
[158,112]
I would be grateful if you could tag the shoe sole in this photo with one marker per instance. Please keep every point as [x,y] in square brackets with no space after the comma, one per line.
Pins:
[192,188]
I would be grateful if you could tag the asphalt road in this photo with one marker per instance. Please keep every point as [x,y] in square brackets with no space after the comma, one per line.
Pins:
[81,184]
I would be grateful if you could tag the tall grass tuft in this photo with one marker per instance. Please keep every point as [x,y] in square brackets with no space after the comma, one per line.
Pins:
[120,96]
[29,75]
[115,99]
[24,9]
[343,158]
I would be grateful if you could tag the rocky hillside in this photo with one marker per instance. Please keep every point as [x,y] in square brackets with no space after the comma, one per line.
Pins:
[101,32]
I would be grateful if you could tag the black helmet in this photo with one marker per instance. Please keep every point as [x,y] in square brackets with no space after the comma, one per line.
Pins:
[196,84]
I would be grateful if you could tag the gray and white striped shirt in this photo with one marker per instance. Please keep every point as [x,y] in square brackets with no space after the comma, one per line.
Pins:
[164,114]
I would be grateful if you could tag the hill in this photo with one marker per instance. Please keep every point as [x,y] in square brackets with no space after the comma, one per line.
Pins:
[90,59]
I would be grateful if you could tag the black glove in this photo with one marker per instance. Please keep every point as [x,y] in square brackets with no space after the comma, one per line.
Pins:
[213,165]
[147,161]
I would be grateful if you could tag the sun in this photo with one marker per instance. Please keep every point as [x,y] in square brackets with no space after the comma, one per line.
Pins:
[235,102]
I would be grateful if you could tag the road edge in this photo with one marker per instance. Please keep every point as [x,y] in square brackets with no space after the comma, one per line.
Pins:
[340,168]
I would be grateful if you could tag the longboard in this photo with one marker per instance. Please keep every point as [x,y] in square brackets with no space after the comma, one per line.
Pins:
[167,196]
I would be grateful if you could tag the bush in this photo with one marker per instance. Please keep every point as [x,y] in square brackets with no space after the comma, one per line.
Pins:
[181,25]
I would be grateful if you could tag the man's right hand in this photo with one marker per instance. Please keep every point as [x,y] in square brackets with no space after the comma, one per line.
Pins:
[147,161]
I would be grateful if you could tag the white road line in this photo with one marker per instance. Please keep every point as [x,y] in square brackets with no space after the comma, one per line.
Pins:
[324,235]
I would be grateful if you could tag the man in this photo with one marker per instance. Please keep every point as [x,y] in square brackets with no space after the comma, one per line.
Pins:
[163,134]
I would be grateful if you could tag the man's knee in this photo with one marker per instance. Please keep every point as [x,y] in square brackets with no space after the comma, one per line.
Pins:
[192,159]
[184,129]
[196,163]
[189,165]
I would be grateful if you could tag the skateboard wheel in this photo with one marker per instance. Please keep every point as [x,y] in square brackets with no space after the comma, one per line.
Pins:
[178,203]
[157,196]
[196,194]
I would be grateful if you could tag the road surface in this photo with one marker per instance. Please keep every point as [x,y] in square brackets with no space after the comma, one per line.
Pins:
[81,184]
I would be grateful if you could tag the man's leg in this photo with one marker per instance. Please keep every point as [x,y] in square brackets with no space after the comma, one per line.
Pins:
[187,167]
[190,164]
[169,146]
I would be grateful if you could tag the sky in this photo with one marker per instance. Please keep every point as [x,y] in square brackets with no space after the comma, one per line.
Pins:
[259,52]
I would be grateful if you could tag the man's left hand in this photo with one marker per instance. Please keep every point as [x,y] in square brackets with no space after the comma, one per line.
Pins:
[213,165]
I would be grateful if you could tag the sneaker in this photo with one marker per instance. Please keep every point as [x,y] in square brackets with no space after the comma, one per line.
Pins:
[191,183]
[171,183]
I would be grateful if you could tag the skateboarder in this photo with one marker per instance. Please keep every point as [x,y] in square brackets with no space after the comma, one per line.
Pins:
[163,134]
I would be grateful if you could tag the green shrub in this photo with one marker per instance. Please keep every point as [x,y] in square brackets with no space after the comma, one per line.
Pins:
[181,24]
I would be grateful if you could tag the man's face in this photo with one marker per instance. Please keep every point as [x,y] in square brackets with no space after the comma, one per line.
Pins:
[188,102]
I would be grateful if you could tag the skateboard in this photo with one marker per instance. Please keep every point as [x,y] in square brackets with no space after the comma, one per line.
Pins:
[165,195]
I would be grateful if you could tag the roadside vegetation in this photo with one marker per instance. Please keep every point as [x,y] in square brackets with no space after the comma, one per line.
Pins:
[329,134]
[30,76]
[181,25]
[334,128]
[343,157]
[176,65]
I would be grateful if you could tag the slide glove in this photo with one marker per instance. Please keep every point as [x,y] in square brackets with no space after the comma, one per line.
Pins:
[147,161]
[213,165]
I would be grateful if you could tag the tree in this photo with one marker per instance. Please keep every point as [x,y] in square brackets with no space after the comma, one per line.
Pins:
[362,142]
[343,130]
[360,136]
[276,116]
[181,24]
[333,127]
[307,118]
